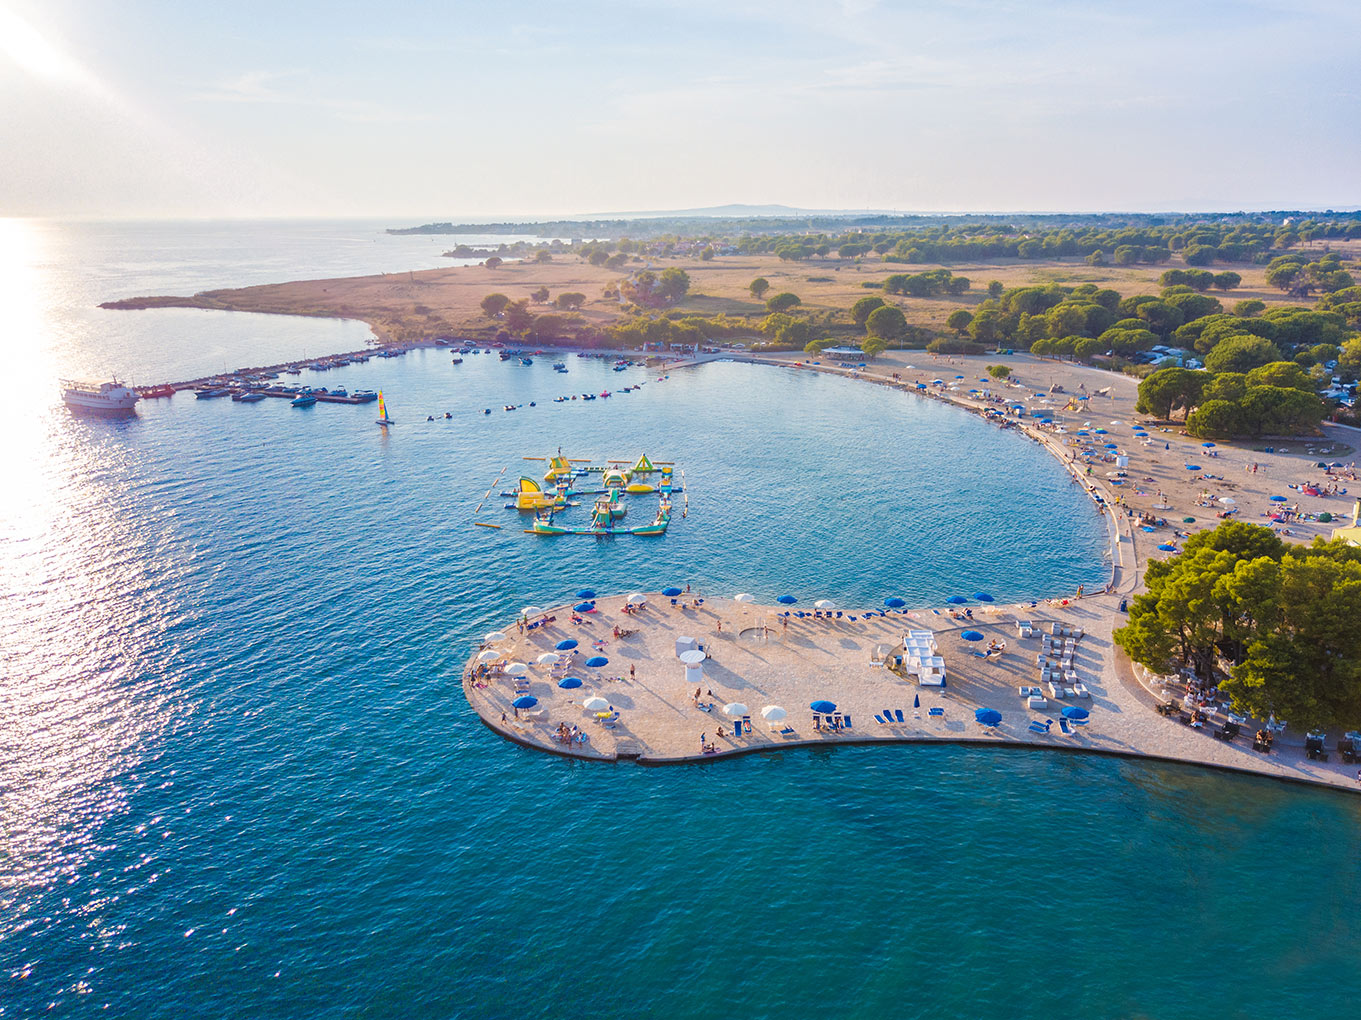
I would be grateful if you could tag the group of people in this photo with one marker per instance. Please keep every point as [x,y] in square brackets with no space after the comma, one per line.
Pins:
[566,735]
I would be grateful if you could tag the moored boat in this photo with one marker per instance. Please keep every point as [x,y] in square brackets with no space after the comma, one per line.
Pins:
[99,398]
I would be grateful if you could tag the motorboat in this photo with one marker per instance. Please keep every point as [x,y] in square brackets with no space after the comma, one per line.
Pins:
[304,399]
[250,397]
[209,392]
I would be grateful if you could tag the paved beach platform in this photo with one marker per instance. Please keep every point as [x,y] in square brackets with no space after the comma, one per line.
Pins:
[756,660]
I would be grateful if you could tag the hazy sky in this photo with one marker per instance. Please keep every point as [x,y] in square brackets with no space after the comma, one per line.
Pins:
[186,108]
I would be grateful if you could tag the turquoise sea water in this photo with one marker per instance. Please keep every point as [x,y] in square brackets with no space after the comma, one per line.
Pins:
[239,776]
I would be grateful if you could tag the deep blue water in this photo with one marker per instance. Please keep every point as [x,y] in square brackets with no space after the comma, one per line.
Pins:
[239,776]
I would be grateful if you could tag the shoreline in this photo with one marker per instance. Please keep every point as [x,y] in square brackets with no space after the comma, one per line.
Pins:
[1140,733]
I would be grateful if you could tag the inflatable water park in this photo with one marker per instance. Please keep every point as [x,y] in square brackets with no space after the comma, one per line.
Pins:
[559,500]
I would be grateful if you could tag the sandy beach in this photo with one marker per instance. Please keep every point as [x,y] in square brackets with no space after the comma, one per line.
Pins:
[756,658]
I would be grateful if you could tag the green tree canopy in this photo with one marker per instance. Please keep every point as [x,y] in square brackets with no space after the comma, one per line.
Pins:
[758,287]
[887,323]
[860,311]
[959,320]
[1241,354]
[1285,374]
[494,304]
[783,302]
[1170,389]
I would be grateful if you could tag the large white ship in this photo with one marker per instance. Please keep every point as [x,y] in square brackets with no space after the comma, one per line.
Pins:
[100,398]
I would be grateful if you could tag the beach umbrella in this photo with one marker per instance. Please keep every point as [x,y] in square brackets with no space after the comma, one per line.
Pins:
[566,644]
[823,706]
[824,604]
[916,701]
[596,661]
[595,703]
[1075,712]
[671,592]
[493,636]
[1208,446]
[1227,500]
[1192,467]
[744,598]
[1148,529]
[787,600]
[585,593]
[569,683]
[1167,548]
[983,596]
[531,610]
[956,600]
[525,701]
[1111,446]
[1083,432]
[959,377]
[988,716]
[894,602]
[1188,520]
[773,713]
[1100,432]
[735,709]
[584,607]
[516,669]
[1278,499]
[971,635]
[549,658]
[487,654]
[636,599]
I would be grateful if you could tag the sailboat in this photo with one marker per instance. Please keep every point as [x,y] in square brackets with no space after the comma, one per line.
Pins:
[383,418]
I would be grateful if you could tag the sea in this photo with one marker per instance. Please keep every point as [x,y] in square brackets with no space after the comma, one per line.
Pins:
[238,775]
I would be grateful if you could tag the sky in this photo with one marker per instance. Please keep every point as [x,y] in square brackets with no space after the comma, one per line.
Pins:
[161,109]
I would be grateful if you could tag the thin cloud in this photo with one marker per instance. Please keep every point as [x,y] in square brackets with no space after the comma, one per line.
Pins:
[292,88]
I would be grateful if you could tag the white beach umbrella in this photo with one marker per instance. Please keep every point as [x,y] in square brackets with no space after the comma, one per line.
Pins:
[736,708]
[1227,500]
[773,713]
[744,597]
[487,654]
[824,604]
[549,659]
[517,669]
[636,599]
[531,610]
[595,703]
[494,636]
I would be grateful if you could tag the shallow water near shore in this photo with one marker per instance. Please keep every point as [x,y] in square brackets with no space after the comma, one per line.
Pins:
[240,774]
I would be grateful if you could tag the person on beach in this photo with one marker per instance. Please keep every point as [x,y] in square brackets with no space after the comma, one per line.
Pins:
[632,673]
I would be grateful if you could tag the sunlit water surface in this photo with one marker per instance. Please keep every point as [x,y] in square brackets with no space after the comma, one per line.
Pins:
[238,776]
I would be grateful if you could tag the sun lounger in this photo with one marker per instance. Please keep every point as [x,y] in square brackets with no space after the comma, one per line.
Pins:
[788,731]
[879,719]
[935,711]
[746,721]
[847,720]
[899,713]
[1040,727]
[888,715]
[817,721]
[1063,725]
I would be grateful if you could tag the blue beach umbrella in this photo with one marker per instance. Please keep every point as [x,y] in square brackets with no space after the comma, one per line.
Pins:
[983,596]
[1083,432]
[1278,499]
[597,660]
[1111,446]
[893,602]
[585,593]
[566,644]
[959,377]
[1148,529]
[823,706]
[988,716]
[569,683]
[1074,712]
[1167,548]
[972,635]
[1207,445]
[1100,432]
[671,593]
[956,600]
[787,600]
[584,607]
[1192,467]
[525,701]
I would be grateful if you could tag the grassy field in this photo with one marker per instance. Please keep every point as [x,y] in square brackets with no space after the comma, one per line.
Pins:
[422,304]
